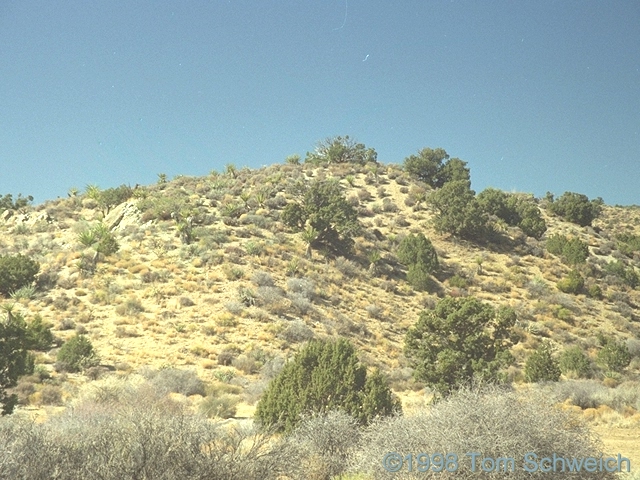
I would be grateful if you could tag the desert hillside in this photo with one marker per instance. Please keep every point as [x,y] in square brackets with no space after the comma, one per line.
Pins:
[207,277]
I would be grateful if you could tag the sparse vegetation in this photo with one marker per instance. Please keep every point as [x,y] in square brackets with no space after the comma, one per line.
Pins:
[210,290]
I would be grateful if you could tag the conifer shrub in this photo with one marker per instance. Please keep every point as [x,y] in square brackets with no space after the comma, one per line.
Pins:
[16,271]
[628,244]
[577,208]
[614,356]
[15,359]
[418,253]
[8,203]
[572,283]
[572,251]
[514,210]
[324,376]
[627,275]
[460,340]
[541,366]
[76,354]
[575,363]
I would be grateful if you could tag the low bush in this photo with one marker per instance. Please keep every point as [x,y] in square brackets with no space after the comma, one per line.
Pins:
[614,356]
[76,354]
[494,422]
[541,366]
[572,283]
[574,362]
[16,271]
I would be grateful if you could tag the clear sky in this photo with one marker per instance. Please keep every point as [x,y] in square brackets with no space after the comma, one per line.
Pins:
[536,95]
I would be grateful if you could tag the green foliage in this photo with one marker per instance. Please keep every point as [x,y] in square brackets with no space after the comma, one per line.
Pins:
[39,335]
[573,361]
[458,211]
[293,159]
[418,249]
[324,376]
[460,339]
[572,283]
[8,203]
[572,251]
[161,208]
[594,291]
[514,210]
[614,356]
[628,244]
[76,354]
[417,252]
[341,150]
[101,239]
[419,277]
[541,366]
[624,273]
[326,211]
[15,359]
[16,271]
[428,167]
[576,208]
[109,198]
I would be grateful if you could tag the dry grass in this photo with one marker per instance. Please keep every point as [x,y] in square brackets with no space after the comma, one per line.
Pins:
[160,302]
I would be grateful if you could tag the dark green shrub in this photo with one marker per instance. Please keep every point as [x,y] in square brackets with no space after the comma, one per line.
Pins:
[458,212]
[76,354]
[572,251]
[428,167]
[626,274]
[460,339]
[628,244]
[614,356]
[39,334]
[326,215]
[531,221]
[575,251]
[8,203]
[418,277]
[418,253]
[458,281]
[574,362]
[418,249]
[576,208]
[15,359]
[111,197]
[514,210]
[16,272]
[573,283]
[541,366]
[594,291]
[324,376]
[341,150]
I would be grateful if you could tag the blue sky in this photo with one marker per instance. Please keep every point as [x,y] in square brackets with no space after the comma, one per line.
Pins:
[536,96]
